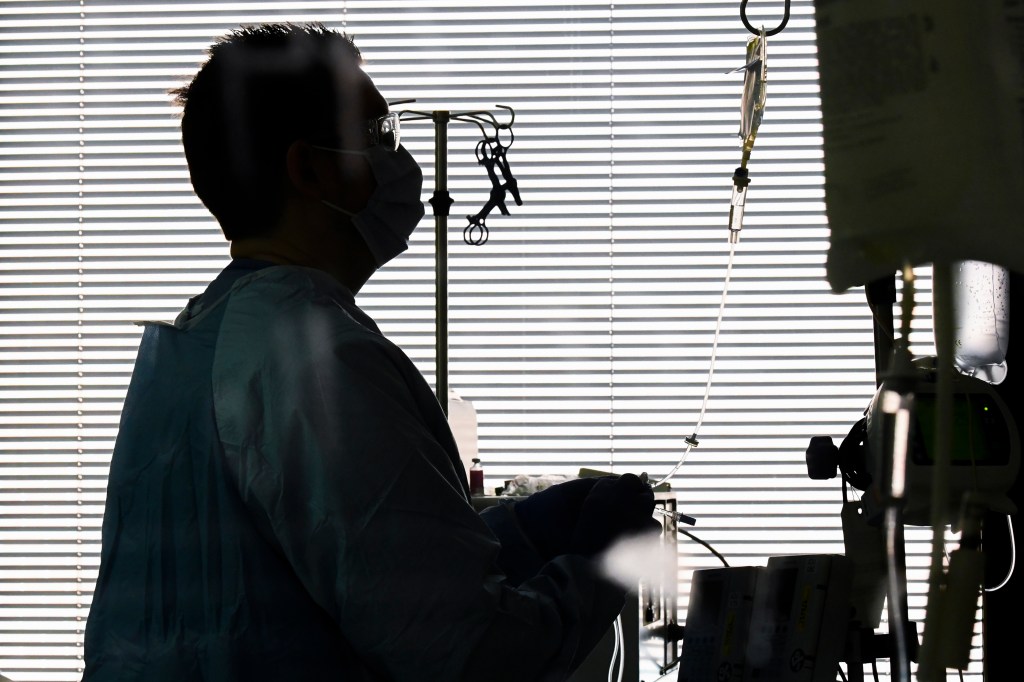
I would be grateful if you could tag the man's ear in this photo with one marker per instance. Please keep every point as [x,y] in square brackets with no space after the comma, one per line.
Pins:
[305,169]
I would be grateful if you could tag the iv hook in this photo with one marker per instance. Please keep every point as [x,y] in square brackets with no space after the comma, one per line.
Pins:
[777,29]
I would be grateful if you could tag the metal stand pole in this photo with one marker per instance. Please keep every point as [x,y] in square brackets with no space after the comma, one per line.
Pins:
[441,202]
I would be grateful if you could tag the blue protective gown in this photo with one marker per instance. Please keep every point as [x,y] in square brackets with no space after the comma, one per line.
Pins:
[286,502]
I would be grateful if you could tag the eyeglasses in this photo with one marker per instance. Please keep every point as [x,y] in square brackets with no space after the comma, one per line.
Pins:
[385,131]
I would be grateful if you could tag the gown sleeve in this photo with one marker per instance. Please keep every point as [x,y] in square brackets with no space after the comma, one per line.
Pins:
[330,451]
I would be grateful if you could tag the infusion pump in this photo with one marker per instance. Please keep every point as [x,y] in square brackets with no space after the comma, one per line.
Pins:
[985,450]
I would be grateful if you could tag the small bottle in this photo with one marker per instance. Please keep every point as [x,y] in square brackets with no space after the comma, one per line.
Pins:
[476,478]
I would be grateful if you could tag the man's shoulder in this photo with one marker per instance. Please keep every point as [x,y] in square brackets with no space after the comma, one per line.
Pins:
[293,292]
[289,284]
[294,308]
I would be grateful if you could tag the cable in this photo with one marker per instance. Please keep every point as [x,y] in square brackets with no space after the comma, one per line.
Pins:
[671,671]
[622,647]
[1013,558]
[897,624]
[704,544]
[874,669]
[622,650]
[839,669]
[692,441]
[616,651]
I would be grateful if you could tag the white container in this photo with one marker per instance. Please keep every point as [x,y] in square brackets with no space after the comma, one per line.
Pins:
[462,420]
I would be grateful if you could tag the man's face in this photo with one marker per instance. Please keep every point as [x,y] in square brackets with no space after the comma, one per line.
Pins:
[366,105]
[354,135]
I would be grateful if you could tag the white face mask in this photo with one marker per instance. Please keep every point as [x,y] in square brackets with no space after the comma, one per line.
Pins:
[394,208]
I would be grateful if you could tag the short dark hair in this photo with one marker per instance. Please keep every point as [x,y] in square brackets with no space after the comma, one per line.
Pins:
[262,88]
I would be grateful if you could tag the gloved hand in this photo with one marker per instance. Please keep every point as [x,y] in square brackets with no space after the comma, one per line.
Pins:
[616,507]
[549,517]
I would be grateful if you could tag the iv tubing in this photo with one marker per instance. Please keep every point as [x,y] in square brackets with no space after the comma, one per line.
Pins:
[711,369]
[943,315]
[893,521]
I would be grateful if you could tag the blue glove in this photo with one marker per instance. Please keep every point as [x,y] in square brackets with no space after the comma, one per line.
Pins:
[548,518]
[616,507]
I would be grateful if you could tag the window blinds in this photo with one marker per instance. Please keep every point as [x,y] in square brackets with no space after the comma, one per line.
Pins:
[581,331]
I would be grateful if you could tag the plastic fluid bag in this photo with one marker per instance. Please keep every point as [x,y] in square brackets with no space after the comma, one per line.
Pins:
[755,83]
[523,485]
[922,131]
[981,320]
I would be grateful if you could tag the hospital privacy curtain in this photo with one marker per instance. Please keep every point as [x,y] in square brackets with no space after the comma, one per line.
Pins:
[581,332]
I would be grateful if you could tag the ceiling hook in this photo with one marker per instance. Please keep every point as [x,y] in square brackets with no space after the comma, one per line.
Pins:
[777,29]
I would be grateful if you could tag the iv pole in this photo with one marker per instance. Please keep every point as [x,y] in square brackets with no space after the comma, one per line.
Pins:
[441,202]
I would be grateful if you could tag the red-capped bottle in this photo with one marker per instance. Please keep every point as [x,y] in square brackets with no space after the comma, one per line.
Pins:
[476,478]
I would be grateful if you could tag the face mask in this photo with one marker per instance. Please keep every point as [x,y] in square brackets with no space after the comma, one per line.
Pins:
[394,208]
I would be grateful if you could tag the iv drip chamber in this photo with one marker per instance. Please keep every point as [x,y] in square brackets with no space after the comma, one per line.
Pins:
[981,320]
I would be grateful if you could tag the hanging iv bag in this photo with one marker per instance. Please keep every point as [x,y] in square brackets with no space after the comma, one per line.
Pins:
[924,160]
[755,80]
[981,320]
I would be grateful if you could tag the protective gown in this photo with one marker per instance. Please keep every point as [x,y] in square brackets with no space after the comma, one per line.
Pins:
[286,502]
